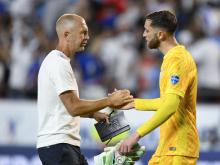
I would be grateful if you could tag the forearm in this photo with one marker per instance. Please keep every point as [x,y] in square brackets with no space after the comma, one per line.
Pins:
[80,107]
[147,104]
[166,110]
[90,115]
[86,108]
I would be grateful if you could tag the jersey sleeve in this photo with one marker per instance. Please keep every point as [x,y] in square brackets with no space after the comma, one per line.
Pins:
[63,78]
[178,77]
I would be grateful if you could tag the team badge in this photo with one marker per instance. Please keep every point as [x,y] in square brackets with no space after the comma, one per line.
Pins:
[175,79]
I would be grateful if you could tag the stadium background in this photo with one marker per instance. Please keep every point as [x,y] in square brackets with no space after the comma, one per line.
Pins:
[116,57]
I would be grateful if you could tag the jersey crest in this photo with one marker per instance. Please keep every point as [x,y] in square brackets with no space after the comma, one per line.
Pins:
[175,79]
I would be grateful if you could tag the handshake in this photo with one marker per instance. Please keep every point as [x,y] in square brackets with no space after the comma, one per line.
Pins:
[120,99]
[111,156]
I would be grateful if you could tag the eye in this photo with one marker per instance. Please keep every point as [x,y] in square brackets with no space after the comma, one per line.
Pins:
[84,32]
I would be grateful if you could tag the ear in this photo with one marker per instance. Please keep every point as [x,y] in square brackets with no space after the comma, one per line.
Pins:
[66,34]
[161,35]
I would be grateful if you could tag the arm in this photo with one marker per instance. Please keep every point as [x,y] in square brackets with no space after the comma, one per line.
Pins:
[147,104]
[143,104]
[166,110]
[98,116]
[79,107]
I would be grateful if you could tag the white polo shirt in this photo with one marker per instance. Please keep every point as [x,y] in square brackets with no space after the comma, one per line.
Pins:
[55,124]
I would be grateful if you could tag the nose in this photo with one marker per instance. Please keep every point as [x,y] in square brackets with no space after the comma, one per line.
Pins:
[87,37]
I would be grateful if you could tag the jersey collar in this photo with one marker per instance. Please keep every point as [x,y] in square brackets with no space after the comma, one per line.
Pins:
[173,49]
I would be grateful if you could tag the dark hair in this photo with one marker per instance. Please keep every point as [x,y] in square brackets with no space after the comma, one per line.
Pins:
[163,19]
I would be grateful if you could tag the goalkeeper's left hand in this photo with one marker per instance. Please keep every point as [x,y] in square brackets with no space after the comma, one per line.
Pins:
[127,144]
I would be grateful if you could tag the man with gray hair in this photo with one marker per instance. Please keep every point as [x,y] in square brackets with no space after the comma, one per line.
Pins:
[59,105]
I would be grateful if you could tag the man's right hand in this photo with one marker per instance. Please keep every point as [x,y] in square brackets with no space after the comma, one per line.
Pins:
[120,98]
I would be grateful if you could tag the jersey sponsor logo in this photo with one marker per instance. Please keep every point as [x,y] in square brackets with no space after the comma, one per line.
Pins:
[175,79]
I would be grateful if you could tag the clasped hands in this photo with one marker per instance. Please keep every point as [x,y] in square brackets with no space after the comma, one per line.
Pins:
[119,99]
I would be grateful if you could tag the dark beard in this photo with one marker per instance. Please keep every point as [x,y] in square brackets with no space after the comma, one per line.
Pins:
[154,43]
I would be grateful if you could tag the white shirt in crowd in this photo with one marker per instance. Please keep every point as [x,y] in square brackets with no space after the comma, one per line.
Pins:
[21,55]
[55,124]
[206,53]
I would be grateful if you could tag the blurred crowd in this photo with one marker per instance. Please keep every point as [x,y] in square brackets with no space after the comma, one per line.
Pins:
[116,56]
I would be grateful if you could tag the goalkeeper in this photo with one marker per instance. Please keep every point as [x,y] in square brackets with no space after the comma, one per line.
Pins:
[176,107]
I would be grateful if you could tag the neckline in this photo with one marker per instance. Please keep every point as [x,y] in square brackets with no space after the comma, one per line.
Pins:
[172,49]
[61,54]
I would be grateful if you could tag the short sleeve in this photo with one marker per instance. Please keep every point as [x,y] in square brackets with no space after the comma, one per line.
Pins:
[177,77]
[63,77]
